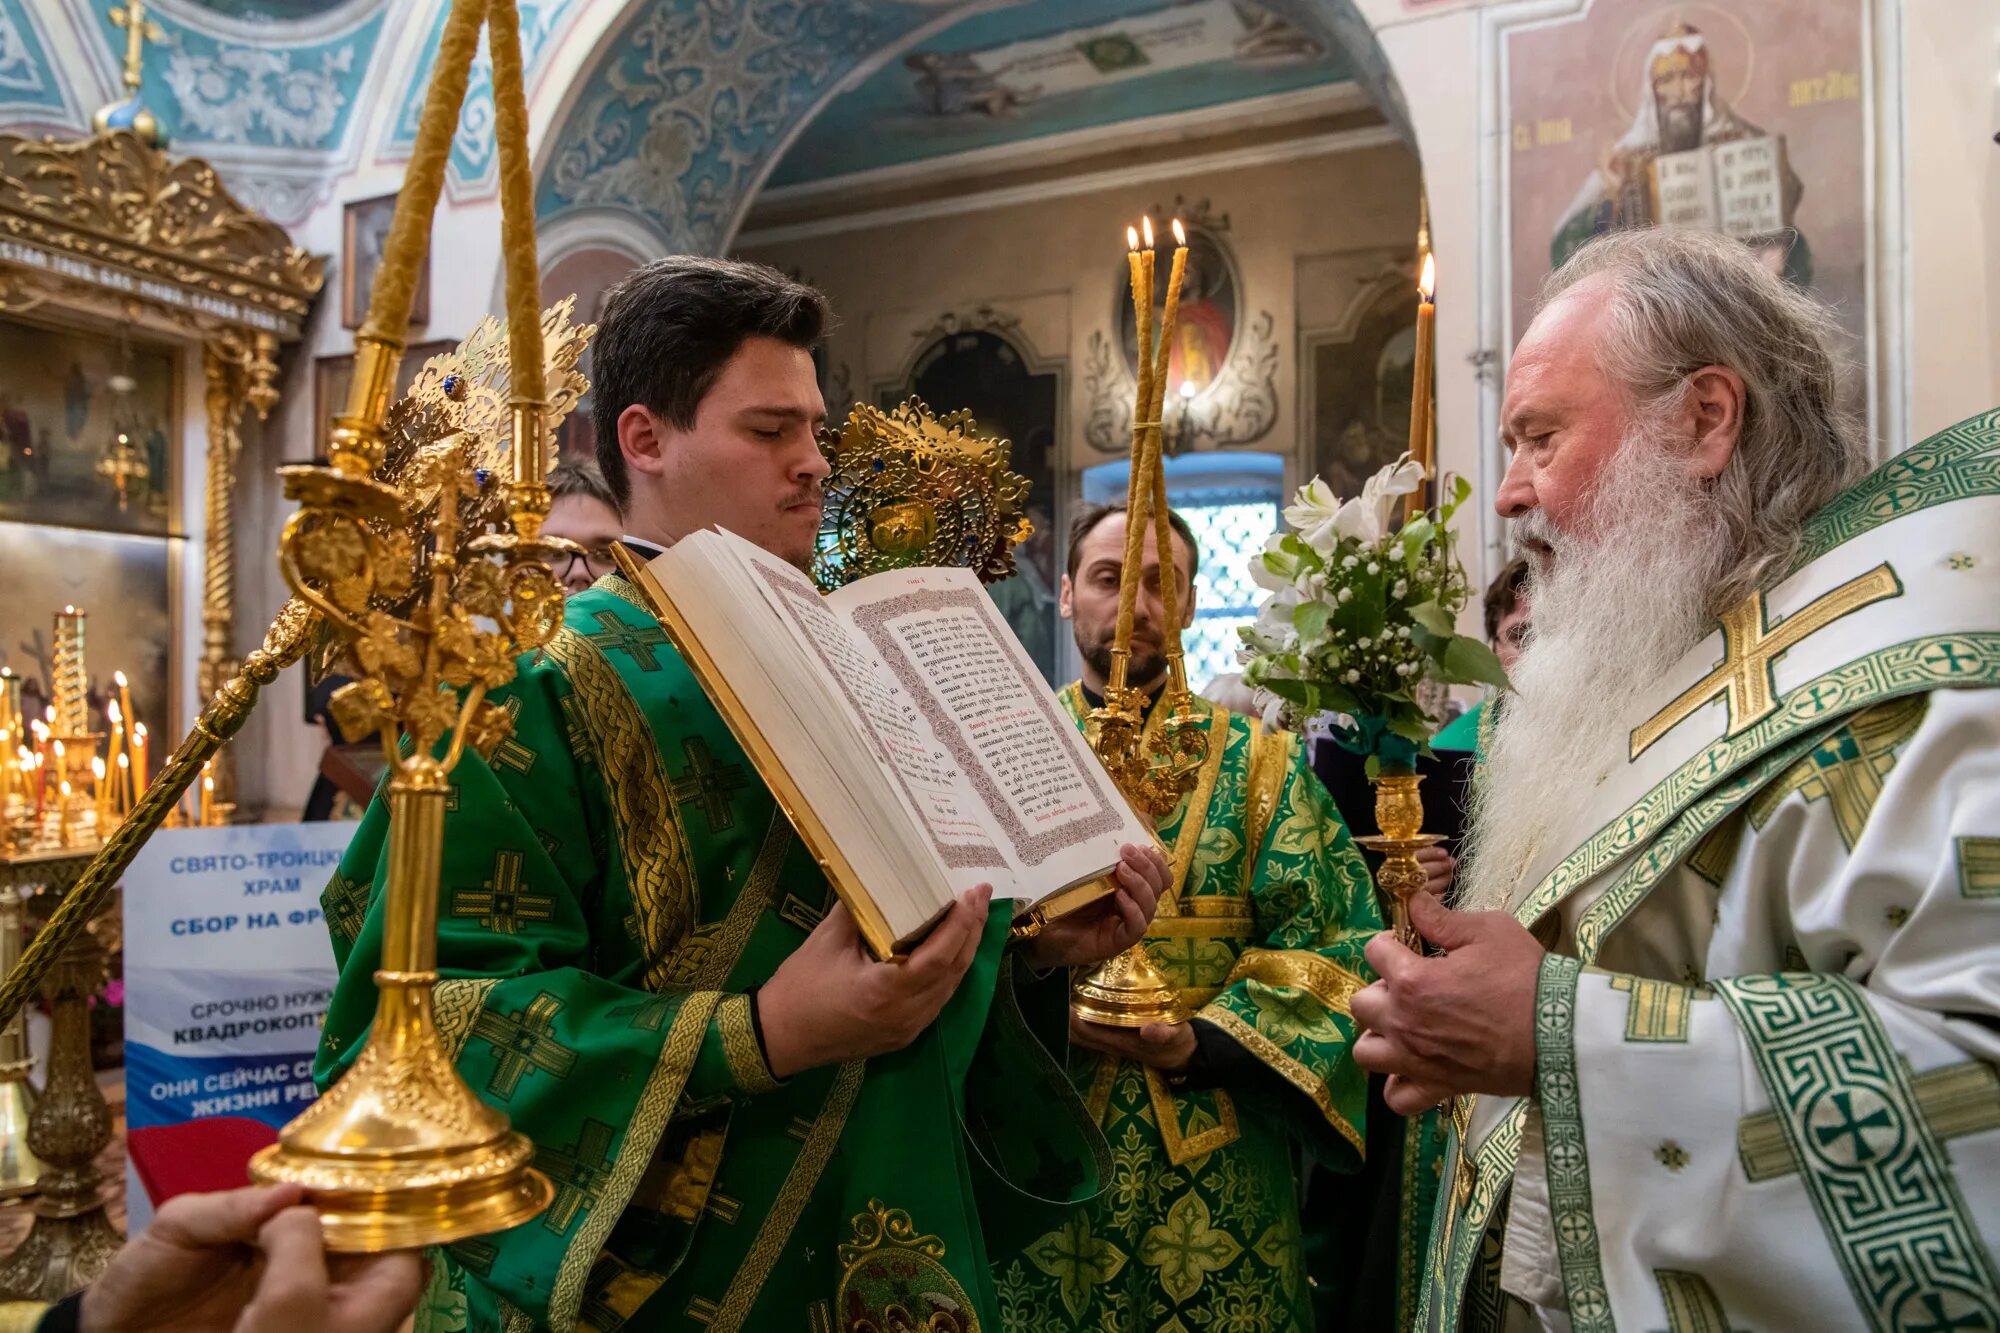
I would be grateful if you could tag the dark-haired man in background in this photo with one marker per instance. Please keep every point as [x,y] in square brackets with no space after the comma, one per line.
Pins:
[1262,931]
[748,1120]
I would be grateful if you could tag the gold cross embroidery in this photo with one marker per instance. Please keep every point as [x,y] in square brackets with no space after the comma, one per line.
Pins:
[1751,644]
[1847,768]
[522,1042]
[581,1173]
[510,751]
[503,902]
[708,784]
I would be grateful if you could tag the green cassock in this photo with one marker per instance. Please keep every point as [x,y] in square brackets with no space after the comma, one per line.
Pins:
[1198,1228]
[615,880]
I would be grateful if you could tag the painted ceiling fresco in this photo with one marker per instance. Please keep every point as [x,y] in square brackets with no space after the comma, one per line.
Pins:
[1051,66]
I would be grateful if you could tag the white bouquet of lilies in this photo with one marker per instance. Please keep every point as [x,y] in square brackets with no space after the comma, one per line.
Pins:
[1361,612]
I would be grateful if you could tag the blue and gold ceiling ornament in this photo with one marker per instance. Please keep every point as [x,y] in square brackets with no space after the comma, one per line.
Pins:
[129,113]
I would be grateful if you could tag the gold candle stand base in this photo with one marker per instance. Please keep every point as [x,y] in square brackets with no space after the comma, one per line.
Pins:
[400,1153]
[72,1239]
[20,1169]
[1128,991]
[1399,813]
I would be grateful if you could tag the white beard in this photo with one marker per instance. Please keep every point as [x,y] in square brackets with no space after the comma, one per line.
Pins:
[1620,605]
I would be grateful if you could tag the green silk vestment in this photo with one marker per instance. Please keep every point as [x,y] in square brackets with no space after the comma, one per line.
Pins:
[1263,933]
[614,881]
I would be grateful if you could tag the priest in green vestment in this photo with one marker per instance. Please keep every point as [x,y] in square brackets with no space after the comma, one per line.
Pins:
[749,1123]
[1262,930]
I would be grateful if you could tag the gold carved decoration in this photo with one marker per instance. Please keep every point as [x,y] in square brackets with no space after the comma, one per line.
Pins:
[111,213]
[909,488]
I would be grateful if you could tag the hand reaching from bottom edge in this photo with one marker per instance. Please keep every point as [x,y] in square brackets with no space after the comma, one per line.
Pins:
[247,1261]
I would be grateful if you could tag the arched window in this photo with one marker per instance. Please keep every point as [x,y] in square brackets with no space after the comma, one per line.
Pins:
[1230,501]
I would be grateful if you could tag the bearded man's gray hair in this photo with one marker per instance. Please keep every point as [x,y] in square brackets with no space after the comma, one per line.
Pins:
[1680,300]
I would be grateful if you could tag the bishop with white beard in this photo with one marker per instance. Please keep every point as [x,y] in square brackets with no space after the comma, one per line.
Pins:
[1719,1027]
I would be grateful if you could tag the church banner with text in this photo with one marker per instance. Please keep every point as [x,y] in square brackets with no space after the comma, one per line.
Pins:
[227,972]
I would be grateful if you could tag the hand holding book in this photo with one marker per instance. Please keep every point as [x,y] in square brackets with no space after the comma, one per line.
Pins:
[832,1001]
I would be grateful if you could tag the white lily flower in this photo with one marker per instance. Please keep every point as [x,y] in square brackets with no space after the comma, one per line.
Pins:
[1274,570]
[1380,492]
[1357,520]
[1314,504]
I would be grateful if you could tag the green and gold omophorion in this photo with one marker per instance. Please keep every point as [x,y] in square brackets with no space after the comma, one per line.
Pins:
[615,881]
[1263,934]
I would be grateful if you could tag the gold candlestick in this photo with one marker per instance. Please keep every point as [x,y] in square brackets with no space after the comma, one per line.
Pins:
[1399,814]
[1155,771]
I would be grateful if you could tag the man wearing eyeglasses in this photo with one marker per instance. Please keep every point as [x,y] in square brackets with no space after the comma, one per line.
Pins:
[583,510]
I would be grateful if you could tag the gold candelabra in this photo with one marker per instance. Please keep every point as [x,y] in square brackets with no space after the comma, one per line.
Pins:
[1154,765]
[400,1152]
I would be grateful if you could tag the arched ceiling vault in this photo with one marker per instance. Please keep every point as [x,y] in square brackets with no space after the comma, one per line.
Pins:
[683,107]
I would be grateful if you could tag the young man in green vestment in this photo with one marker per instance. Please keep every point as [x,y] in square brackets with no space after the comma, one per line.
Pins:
[1262,930]
[749,1122]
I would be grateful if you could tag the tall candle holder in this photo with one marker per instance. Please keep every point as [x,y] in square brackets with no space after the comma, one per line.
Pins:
[1155,766]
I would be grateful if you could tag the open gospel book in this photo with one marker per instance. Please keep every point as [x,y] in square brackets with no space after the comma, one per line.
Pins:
[903,729]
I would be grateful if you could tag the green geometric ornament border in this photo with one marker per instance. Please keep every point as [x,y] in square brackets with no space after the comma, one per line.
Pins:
[1672,846]
[1563,1148]
[1943,468]
[1937,661]
[1889,1204]
[1493,1169]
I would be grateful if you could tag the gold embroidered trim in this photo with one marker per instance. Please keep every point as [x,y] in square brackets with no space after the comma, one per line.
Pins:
[1287,1068]
[1299,969]
[1184,1148]
[1194,997]
[1099,1099]
[783,1216]
[621,587]
[456,1004]
[642,1140]
[1195,818]
[21,1316]
[1270,755]
[1216,904]
[709,968]
[1203,927]
[740,1046]
[659,873]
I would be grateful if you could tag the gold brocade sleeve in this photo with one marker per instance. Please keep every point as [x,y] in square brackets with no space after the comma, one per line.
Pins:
[1286,999]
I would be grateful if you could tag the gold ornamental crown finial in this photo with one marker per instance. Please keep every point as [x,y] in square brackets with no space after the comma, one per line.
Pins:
[910,487]
[128,113]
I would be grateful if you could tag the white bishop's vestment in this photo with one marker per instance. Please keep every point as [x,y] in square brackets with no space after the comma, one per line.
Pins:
[1769,1024]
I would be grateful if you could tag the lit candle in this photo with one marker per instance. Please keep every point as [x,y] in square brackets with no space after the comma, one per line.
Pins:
[100,792]
[116,716]
[138,759]
[122,785]
[1420,383]
[62,814]
[124,696]
[207,808]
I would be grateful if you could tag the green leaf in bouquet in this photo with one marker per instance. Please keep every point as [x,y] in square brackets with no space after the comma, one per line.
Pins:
[1310,619]
[1469,662]
[1416,535]
[1432,617]
[1411,728]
